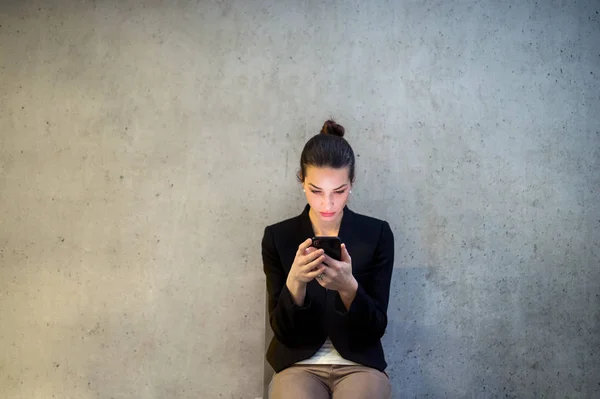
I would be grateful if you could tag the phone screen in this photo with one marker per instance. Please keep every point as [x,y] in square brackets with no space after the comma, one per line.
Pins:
[331,245]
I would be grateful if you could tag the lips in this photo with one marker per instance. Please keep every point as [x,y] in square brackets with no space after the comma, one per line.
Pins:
[327,215]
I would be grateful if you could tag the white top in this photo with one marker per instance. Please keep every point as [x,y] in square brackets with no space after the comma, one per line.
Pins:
[327,354]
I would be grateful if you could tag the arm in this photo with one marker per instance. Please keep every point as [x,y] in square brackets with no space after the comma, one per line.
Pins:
[297,291]
[367,313]
[289,320]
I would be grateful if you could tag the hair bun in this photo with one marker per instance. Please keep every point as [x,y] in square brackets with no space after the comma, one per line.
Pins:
[330,127]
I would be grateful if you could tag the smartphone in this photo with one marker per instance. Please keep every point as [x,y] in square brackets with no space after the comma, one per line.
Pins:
[330,244]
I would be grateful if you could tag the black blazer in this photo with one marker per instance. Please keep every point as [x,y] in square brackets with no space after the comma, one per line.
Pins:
[299,331]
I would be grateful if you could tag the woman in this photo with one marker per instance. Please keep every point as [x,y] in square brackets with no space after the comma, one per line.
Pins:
[328,316]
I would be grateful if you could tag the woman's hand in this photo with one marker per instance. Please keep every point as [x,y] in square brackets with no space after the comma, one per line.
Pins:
[338,277]
[308,263]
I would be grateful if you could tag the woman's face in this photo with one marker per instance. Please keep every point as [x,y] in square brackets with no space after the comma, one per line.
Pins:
[327,191]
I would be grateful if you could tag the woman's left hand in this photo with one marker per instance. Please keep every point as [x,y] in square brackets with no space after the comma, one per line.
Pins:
[338,274]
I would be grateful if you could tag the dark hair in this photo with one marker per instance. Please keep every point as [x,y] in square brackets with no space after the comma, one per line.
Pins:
[327,149]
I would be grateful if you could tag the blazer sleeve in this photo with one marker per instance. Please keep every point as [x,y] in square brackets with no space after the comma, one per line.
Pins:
[367,316]
[290,323]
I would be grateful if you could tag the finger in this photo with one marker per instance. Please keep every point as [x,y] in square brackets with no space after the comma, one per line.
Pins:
[311,265]
[331,262]
[309,250]
[329,272]
[316,272]
[313,255]
[345,255]
[305,244]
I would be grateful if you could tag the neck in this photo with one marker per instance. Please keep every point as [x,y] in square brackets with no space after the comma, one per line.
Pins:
[322,228]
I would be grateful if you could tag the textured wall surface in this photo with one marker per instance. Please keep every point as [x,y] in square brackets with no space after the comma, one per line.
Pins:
[145,145]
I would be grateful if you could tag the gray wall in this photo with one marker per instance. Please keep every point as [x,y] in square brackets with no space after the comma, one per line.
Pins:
[145,147]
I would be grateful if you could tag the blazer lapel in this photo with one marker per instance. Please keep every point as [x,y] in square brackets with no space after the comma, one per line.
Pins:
[346,225]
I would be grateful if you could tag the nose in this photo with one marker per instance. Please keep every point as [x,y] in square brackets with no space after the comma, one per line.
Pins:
[327,202]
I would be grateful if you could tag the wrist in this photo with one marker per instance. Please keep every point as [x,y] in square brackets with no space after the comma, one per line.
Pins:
[293,284]
[297,291]
[347,296]
[350,291]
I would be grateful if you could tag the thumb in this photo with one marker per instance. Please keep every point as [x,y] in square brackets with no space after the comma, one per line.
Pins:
[345,255]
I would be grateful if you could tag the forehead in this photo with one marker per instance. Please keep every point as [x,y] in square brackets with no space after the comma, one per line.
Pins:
[324,177]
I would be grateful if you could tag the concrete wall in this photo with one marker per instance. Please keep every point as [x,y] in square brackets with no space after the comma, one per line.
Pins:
[144,146]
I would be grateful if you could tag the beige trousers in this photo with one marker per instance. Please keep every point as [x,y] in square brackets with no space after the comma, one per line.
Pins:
[330,381]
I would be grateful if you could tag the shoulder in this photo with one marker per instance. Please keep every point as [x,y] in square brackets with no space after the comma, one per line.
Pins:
[282,231]
[284,225]
[366,219]
[369,223]
[371,232]
[284,236]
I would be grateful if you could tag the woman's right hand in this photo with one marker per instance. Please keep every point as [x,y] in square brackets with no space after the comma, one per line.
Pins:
[307,263]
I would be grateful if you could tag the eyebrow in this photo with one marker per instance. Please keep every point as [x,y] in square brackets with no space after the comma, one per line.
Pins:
[319,188]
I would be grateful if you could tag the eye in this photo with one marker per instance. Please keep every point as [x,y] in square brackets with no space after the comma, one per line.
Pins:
[340,192]
[315,191]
